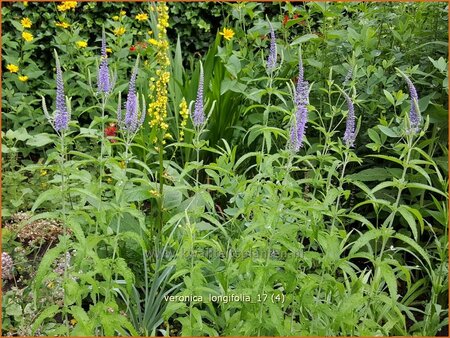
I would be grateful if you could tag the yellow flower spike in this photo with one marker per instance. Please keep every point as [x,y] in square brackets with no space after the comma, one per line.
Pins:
[227,33]
[12,68]
[157,109]
[81,44]
[23,78]
[26,23]
[27,36]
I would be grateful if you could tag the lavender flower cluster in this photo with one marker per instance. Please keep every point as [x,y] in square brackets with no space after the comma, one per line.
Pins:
[61,115]
[131,122]
[301,100]
[350,133]
[414,115]
[272,59]
[198,117]
[103,81]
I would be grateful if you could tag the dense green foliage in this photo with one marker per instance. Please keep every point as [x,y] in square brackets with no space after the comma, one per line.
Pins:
[329,240]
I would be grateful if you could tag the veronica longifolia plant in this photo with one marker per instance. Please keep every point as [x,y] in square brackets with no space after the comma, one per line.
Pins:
[350,131]
[103,79]
[61,116]
[301,100]
[272,58]
[198,116]
[134,117]
[414,112]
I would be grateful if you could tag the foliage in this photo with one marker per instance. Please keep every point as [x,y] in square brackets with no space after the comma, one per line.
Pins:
[221,227]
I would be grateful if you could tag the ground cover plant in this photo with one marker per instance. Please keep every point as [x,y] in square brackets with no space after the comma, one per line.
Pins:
[283,171]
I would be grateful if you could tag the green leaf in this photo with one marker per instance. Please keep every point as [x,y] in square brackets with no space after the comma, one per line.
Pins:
[90,196]
[46,262]
[409,219]
[84,322]
[172,198]
[372,174]
[388,131]
[39,140]
[415,246]
[304,38]
[364,240]
[389,277]
[426,187]
[389,97]
[49,312]
[48,195]
[383,185]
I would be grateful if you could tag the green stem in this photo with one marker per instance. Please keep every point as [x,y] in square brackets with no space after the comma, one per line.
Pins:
[161,188]
[101,167]
[64,217]
[266,117]
[344,165]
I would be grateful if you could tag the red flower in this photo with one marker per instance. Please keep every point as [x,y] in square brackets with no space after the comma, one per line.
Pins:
[285,20]
[132,48]
[111,132]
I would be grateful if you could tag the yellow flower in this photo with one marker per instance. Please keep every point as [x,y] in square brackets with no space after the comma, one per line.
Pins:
[141,17]
[108,50]
[122,13]
[184,112]
[26,23]
[25,4]
[81,44]
[43,172]
[227,33]
[73,321]
[115,18]
[157,109]
[119,31]
[12,68]
[62,24]
[50,285]
[23,78]
[154,193]
[67,5]
[27,36]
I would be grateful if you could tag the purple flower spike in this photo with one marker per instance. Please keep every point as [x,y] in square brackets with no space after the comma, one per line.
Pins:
[103,80]
[61,115]
[198,117]
[298,128]
[414,116]
[350,134]
[272,59]
[301,100]
[131,115]
[302,88]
